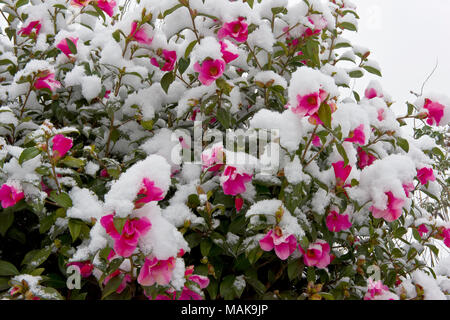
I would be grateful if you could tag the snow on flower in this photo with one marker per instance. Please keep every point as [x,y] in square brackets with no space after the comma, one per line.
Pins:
[284,244]
[376,290]
[209,70]
[227,55]
[9,195]
[392,211]
[317,254]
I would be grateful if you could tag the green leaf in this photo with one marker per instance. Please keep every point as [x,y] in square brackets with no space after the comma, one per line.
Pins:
[73,162]
[189,49]
[62,199]
[116,35]
[342,152]
[356,95]
[75,228]
[193,201]
[416,235]
[72,46]
[250,3]
[403,143]
[438,152]
[325,114]
[6,220]
[400,232]
[311,274]
[119,223]
[169,11]
[4,283]
[295,269]
[21,3]
[373,70]
[111,286]
[183,64]
[36,257]
[167,80]
[348,26]
[205,247]
[148,124]
[224,118]
[226,287]
[433,248]
[7,269]
[28,154]
[356,74]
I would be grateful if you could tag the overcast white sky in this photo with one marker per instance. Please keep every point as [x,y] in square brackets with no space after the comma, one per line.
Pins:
[406,37]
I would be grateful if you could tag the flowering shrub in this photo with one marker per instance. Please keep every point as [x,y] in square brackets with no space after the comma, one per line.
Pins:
[102,169]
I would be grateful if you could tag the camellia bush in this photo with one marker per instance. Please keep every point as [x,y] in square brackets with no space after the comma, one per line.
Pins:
[212,149]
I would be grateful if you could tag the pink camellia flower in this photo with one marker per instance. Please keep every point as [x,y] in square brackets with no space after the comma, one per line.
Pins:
[170,57]
[341,172]
[365,158]
[140,35]
[308,104]
[126,279]
[380,115]
[149,192]
[156,271]
[337,222]
[319,23]
[64,47]
[422,229]
[9,195]
[213,160]
[227,56]
[393,209]
[316,141]
[47,81]
[210,70]
[233,182]
[446,235]
[80,3]
[284,245]
[237,30]
[425,174]
[357,136]
[376,290]
[29,28]
[238,203]
[126,242]
[435,112]
[317,254]
[107,6]
[408,187]
[201,281]
[61,145]
[85,267]
[371,93]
